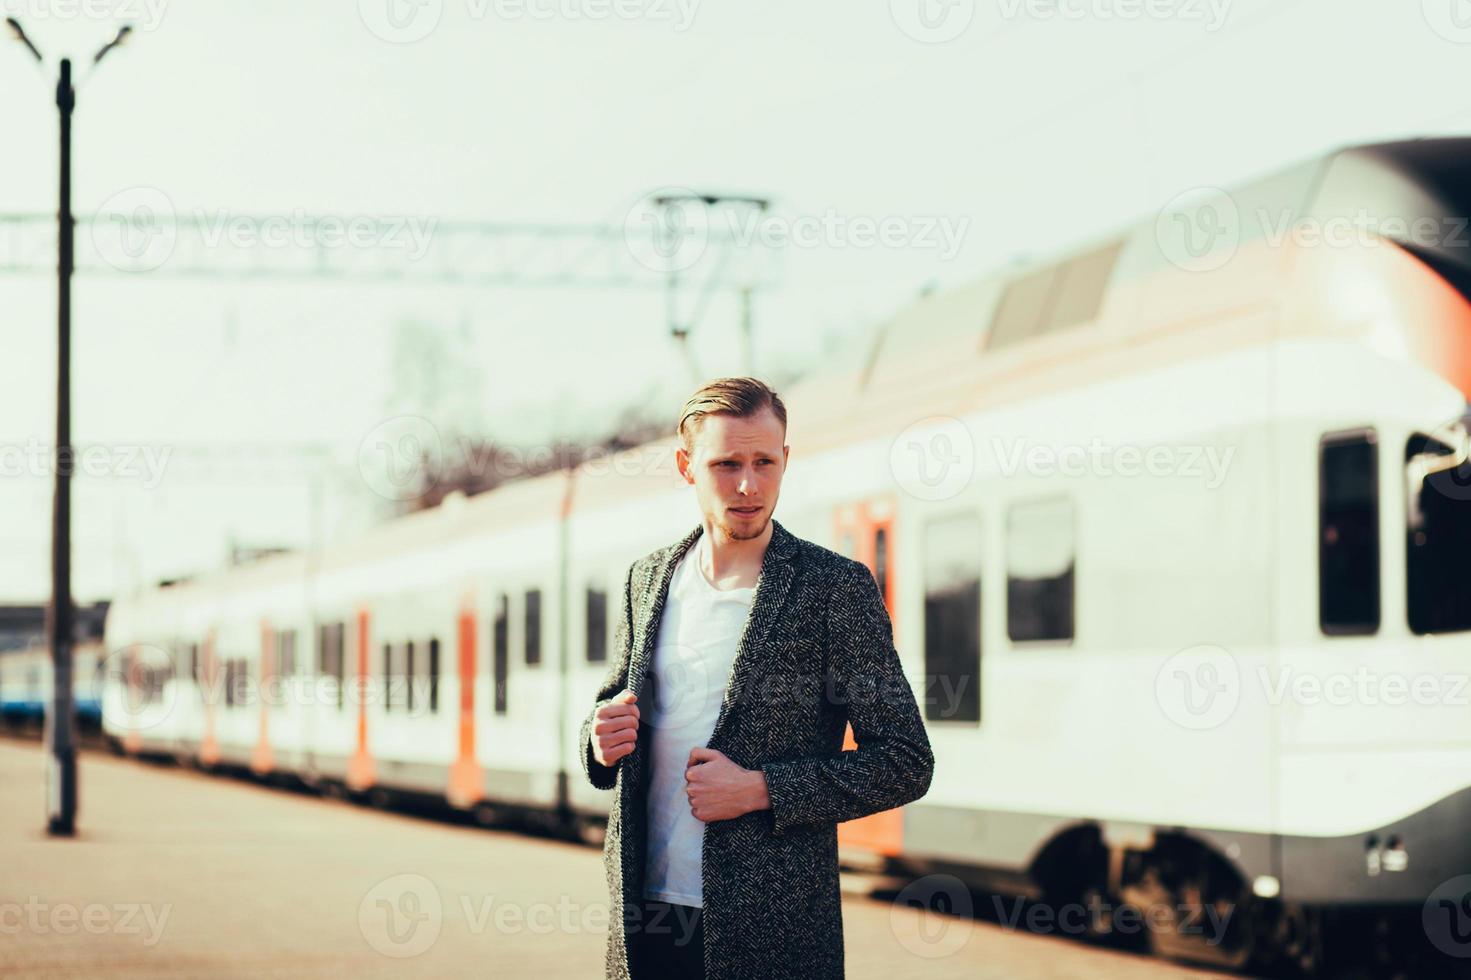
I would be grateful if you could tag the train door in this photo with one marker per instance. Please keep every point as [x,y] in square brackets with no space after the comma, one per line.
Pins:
[864,531]
[466,782]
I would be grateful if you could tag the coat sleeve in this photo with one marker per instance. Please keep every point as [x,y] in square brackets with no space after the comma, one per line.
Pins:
[893,763]
[601,776]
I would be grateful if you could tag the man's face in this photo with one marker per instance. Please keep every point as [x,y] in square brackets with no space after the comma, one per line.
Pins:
[736,467]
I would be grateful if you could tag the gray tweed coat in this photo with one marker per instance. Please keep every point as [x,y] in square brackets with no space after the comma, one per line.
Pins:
[817,651]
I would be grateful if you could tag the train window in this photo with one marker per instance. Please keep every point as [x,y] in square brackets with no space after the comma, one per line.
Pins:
[389,672]
[411,673]
[881,561]
[952,618]
[597,625]
[500,651]
[1348,534]
[232,679]
[286,653]
[1438,537]
[1054,297]
[434,674]
[1040,549]
[1021,307]
[533,627]
[1080,294]
[330,660]
[159,674]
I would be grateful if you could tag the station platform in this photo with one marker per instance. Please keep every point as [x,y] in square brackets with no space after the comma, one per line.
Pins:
[175,873]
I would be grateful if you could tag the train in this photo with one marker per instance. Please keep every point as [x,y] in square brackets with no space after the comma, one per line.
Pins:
[1171,528]
[25,686]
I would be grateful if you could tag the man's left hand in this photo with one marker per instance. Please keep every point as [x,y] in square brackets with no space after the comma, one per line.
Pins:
[718,789]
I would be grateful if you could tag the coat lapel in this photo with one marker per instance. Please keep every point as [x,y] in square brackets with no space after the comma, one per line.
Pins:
[651,608]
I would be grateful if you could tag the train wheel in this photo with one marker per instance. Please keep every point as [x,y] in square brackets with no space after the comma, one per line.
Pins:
[1090,913]
[1190,926]
[1297,939]
[1073,873]
[1192,906]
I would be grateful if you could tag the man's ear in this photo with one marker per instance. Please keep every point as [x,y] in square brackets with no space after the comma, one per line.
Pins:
[682,460]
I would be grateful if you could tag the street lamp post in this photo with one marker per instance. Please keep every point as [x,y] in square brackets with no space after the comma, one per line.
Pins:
[61,769]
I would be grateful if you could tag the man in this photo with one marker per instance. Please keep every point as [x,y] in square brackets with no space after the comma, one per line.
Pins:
[741,654]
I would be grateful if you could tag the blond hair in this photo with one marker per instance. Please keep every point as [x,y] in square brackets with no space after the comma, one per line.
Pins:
[738,397]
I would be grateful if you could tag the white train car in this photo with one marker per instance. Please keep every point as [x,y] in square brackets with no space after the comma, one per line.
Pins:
[1163,527]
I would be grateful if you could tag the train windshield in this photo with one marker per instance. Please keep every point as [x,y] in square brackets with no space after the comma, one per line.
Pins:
[1438,532]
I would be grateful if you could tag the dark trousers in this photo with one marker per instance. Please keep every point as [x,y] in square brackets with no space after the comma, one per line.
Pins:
[667,942]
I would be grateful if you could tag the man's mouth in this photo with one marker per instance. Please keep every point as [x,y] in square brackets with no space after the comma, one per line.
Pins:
[747,510]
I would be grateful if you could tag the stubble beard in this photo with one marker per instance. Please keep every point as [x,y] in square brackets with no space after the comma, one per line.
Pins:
[741,534]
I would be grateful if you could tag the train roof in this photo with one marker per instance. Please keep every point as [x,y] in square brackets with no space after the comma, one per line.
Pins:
[1117,303]
[1091,311]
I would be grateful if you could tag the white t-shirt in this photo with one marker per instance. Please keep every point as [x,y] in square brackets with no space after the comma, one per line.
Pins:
[698,633]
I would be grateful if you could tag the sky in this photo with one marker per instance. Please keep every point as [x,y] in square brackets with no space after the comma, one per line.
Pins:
[984,132]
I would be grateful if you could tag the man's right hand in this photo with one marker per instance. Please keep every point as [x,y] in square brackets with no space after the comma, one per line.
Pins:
[615,728]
